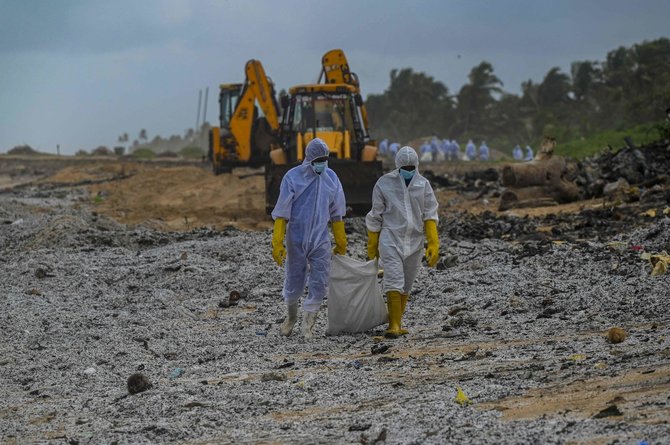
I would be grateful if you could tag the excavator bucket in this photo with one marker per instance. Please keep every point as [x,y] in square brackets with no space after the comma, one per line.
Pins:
[357,178]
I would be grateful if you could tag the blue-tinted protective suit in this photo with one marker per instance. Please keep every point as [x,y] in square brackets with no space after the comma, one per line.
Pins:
[517,153]
[398,212]
[309,201]
[529,154]
[484,152]
[471,150]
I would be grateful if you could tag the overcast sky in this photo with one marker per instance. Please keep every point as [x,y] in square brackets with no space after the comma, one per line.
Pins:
[80,73]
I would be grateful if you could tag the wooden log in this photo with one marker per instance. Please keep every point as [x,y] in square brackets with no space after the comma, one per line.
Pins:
[534,173]
[559,192]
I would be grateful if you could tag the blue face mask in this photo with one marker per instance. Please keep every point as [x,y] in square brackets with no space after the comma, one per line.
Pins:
[319,166]
[407,175]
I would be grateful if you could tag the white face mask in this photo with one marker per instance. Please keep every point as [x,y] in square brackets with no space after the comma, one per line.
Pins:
[319,166]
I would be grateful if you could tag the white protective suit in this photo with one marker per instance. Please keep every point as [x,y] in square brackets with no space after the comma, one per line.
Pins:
[398,212]
[308,201]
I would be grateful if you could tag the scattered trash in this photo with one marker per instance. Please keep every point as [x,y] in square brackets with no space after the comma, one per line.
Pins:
[176,373]
[651,213]
[89,371]
[360,427]
[193,404]
[262,333]
[138,383]
[616,335]
[285,365]
[600,365]
[273,376]
[659,262]
[379,349]
[356,364]
[17,222]
[577,357]
[610,411]
[461,398]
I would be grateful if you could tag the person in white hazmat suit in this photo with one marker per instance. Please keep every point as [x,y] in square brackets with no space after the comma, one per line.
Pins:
[404,210]
[310,197]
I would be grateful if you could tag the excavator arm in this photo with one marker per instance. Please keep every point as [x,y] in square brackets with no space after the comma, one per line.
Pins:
[257,88]
[335,69]
[244,138]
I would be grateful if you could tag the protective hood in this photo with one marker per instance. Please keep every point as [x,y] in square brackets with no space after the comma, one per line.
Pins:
[407,156]
[316,148]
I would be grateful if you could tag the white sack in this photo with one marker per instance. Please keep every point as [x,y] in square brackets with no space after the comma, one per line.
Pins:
[355,302]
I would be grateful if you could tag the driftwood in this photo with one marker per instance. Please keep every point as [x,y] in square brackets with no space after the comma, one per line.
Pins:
[537,183]
[533,173]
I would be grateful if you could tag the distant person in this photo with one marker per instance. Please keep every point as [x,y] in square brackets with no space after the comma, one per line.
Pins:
[434,148]
[426,155]
[383,146]
[393,149]
[529,154]
[470,151]
[445,147]
[484,152]
[455,150]
[517,153]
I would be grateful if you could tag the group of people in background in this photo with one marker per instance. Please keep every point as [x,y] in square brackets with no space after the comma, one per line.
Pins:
[449,150]
[518,154]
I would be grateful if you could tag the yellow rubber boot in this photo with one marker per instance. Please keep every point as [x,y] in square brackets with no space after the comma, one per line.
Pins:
[395,313]
[403,304]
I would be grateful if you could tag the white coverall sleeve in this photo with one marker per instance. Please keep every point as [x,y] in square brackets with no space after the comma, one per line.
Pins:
[430,203]
[373,220]
[285,201]
[338,207]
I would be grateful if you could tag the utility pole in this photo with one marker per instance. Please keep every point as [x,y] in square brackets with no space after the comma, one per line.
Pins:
[204,111]
[58,149]
[197,119]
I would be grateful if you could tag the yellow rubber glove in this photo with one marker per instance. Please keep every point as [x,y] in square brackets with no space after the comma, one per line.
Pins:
[340,238]
[278,251]
[433,248]
[373,245]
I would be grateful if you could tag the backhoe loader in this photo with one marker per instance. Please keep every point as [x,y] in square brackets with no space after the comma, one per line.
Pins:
[333,111]
[245,136]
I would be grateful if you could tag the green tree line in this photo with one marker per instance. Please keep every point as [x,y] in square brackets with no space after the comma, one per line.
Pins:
[631,86]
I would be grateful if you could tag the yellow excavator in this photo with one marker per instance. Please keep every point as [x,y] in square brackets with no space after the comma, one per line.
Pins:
[333,111]
[245,135]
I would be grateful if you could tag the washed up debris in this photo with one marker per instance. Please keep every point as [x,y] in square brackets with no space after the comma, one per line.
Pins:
[365,440]
[285,365]
[360,427]
[577,357]
[273,377]
[176,373]
[138,383]
[232,299]
[616,335]
[461,398]
[193,404]
[659,262]
[89,371]
[610,411]
[379,349]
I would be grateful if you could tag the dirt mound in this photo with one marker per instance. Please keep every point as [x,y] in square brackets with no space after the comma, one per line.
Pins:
[22,150]
[182,198]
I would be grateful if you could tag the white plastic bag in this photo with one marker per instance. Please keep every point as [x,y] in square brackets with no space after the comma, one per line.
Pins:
[355,302]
